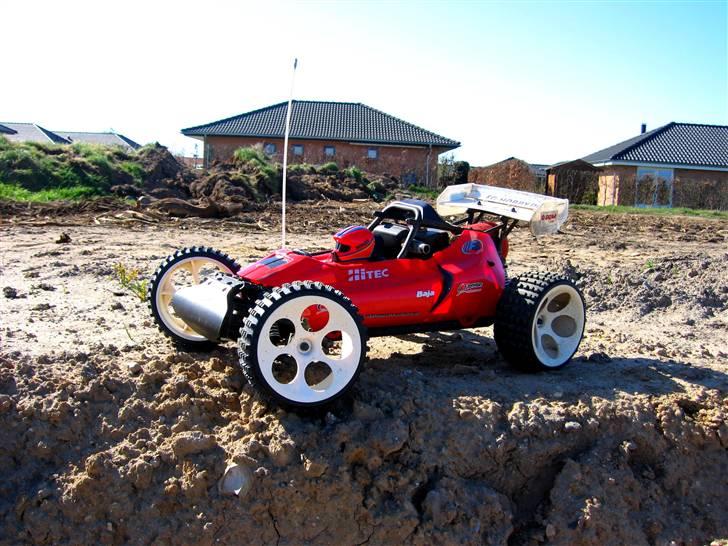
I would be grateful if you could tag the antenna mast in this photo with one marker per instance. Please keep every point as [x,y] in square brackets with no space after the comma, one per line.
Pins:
[285,156]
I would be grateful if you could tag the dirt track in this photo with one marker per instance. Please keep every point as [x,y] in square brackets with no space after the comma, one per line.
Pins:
[440,443]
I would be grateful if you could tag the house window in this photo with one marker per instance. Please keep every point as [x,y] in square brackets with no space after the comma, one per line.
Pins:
[653,187]
[329,151]
[298,149]
[373,153]
[269,148]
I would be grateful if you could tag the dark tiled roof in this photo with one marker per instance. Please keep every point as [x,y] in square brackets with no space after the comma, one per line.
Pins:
[347,121]
[675,143]
[104,139]
[7,130]
[24,132]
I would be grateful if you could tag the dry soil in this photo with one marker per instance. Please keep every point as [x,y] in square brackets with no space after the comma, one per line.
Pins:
[109,434]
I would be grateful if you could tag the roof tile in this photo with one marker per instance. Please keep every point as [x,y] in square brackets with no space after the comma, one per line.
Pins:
[324,121]
[688,144]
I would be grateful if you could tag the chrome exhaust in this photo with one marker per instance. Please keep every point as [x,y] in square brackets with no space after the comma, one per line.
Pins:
[208,306]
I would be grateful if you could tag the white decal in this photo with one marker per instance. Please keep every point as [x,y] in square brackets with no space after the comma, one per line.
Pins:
[425,293]
[367,274]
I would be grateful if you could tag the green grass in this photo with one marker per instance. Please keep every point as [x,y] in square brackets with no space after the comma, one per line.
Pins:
[676,211]
[254,155]
[13,192]
[32,171]
[355,173]
[424,192]
[328,168]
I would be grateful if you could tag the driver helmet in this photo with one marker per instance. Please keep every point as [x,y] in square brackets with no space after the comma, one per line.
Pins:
[354,243]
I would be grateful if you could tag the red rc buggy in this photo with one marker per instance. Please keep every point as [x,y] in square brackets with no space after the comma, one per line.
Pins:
[302,319]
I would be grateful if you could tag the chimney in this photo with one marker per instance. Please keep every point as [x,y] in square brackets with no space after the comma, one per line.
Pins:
[643,129]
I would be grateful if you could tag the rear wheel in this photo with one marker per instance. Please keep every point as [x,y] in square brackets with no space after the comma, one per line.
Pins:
[539,321]
[302,345]
[185,267]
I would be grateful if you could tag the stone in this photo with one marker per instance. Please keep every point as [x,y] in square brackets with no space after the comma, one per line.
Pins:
[572,426]
[191,442]
[236,480]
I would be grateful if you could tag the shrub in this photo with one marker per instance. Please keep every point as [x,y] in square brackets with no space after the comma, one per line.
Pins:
[354,172]
[328,168]
[253,154]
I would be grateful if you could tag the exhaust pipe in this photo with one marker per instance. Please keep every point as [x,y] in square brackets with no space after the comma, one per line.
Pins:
[208,307]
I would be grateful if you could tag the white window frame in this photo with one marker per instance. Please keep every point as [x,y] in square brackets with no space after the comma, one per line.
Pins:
[267,148]
[371,151]
[298,147]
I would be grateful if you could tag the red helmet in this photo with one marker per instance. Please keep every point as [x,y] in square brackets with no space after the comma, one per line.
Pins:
[354,243]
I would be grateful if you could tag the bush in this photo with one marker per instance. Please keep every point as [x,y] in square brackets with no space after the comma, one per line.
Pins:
[354,172]
[301,168]
[253,154]
[328,168]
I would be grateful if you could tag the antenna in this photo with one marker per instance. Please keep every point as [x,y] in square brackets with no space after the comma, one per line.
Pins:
[285,156]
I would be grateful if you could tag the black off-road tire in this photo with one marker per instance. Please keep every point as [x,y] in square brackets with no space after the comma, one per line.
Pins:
[154,282]
[254,323]
[515,316]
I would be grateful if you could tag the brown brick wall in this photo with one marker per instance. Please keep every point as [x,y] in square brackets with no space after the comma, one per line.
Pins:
[409,164]
[691,188]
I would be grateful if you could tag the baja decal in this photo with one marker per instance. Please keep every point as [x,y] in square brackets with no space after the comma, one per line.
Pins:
[475,246]
[548,216]
[469,288]
[425,293]
[367,274]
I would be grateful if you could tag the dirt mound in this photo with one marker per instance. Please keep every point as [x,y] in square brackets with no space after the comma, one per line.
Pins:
[695,285]
[111,435]
[122,457]
[250,186]
[164,176]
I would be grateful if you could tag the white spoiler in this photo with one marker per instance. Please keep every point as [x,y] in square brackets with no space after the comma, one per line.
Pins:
[544,214]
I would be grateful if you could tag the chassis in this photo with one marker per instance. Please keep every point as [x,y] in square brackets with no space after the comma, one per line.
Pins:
[302,319]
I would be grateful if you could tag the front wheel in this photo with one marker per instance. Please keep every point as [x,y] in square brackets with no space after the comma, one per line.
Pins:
[302,345]
[539,321]
[186,267]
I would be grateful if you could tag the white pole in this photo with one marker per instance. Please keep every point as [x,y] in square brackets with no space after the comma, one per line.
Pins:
[285,156]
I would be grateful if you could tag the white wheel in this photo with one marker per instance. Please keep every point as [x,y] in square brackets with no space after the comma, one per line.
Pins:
[303,344]
[559,325]
[186,267]
[539,321]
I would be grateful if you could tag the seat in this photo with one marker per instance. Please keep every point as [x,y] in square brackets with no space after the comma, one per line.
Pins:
[388,240]
[405,208]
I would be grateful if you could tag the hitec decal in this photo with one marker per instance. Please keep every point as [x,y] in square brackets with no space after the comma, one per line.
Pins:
[474,246]
[367,274]
[469,288]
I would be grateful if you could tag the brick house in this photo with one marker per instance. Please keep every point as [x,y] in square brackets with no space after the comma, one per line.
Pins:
[511,173]
[349,134]
[676,165]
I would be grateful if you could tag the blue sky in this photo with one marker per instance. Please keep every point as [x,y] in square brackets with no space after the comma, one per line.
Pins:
[543,81]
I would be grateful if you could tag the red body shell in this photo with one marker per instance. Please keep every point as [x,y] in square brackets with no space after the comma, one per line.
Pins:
[462,282]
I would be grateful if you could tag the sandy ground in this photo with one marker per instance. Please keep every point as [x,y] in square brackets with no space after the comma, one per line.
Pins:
[109,434]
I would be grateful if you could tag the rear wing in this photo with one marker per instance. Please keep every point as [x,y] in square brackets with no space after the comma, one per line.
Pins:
[544,214]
